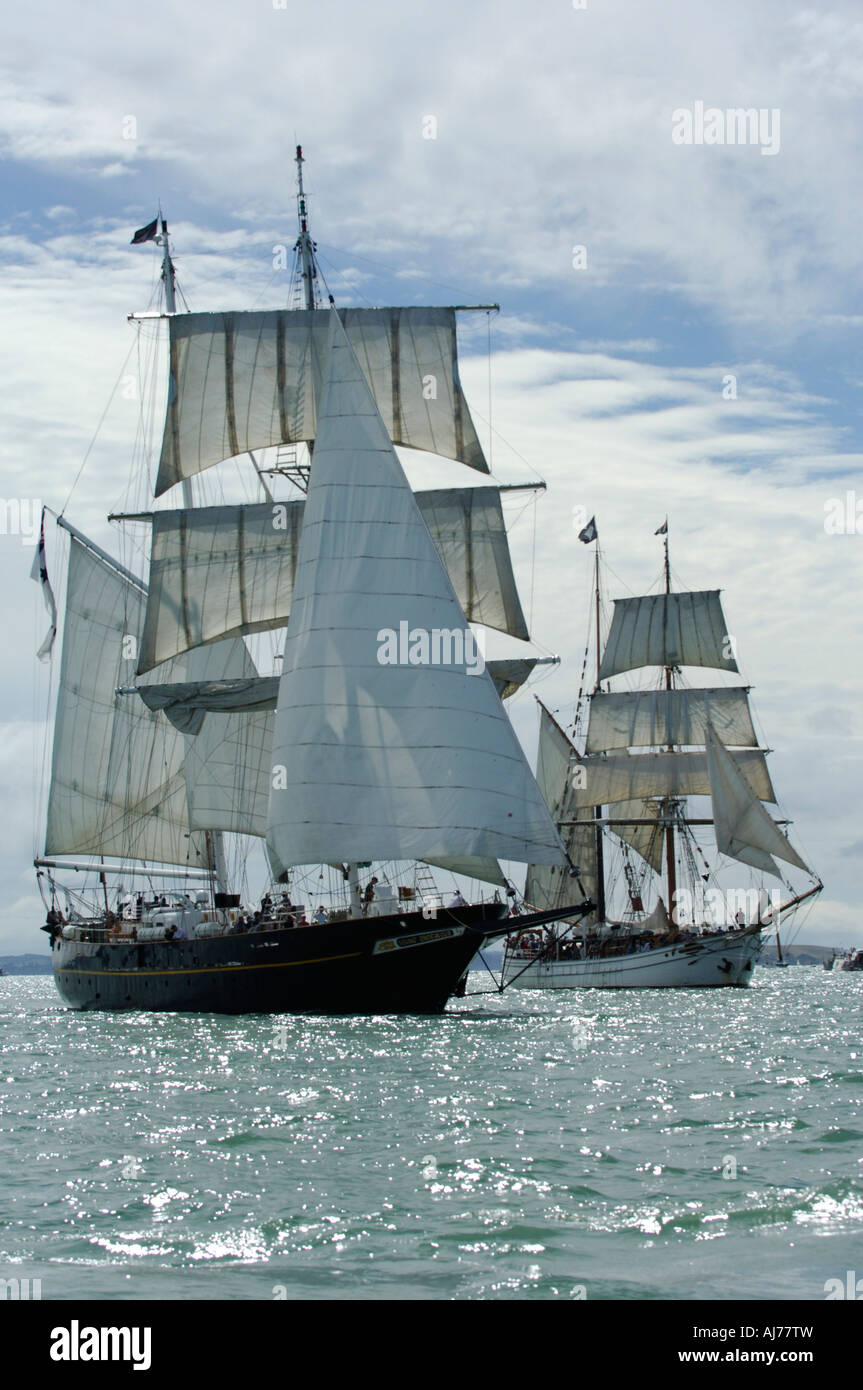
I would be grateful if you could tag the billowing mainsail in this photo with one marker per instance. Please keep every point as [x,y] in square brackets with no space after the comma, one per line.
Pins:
[118,785]
[744,830]
[548,885]
[373,760]
[243,381]
[217,572]
[679,629]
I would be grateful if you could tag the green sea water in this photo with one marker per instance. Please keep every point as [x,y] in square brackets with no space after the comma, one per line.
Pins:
[599,1145]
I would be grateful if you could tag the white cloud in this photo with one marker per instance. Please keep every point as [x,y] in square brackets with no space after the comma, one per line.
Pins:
[552,131]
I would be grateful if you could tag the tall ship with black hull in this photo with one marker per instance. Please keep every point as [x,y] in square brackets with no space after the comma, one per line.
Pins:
[629,788]
[377,750]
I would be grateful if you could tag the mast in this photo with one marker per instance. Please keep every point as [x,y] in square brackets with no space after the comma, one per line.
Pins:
[214,838]
[670,864]
[597,810]
[168,272]
[304,244]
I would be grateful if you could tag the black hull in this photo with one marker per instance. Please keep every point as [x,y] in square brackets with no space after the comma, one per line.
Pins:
[404,963]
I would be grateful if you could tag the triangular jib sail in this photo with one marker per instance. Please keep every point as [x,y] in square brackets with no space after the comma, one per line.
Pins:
[548,885]
[373,760]
[744,830]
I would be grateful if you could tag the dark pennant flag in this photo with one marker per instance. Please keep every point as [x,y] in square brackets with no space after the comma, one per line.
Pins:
[663,529]
[148,233]
[589,532]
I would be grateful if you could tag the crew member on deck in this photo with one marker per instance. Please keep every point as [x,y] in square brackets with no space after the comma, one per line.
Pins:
[457,900]
[321,916]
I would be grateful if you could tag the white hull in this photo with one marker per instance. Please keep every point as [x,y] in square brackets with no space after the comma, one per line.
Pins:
[703,964]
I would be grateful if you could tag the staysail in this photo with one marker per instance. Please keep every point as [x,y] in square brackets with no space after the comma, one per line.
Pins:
[243,381]
[648,840]
[744,830]
[547,885]
[374,757]
[118,785]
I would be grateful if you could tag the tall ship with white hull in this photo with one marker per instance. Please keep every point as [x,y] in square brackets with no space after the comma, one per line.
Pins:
[629,791]
[379,750]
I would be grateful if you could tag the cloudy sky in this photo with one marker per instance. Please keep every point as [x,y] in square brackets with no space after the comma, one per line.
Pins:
[552,130]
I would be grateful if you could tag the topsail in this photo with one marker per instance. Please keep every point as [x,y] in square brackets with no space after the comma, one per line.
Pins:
[226,571]
[243,381]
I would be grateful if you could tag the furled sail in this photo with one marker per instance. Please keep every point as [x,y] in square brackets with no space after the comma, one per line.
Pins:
[118,785]
[547,885]
[630,776]
[185,702]
[680,629]
[744,830]
[650,718]
[249,380]
[373,760]
[221,571]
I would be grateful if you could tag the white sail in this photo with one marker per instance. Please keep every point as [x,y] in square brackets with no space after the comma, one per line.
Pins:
[651,718]
[646,840]
[468,528]
[227,762]
[548,886]
[217,572]
[680,629]
[744,830]
[118,786]
[249,380]
[484,869]
[374,760]
[630,776]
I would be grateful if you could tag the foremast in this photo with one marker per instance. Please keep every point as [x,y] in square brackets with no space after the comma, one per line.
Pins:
[214,839]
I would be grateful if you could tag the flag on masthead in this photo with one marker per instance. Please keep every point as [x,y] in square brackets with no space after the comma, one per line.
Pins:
[148,233]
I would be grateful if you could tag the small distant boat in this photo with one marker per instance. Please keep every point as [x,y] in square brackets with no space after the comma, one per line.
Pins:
[854,961]
[829,961]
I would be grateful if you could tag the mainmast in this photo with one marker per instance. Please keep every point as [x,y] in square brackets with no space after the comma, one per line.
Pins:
[670,862]
[597,810]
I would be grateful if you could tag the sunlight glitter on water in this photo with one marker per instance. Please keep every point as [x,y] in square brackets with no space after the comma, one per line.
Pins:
[635,1145]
